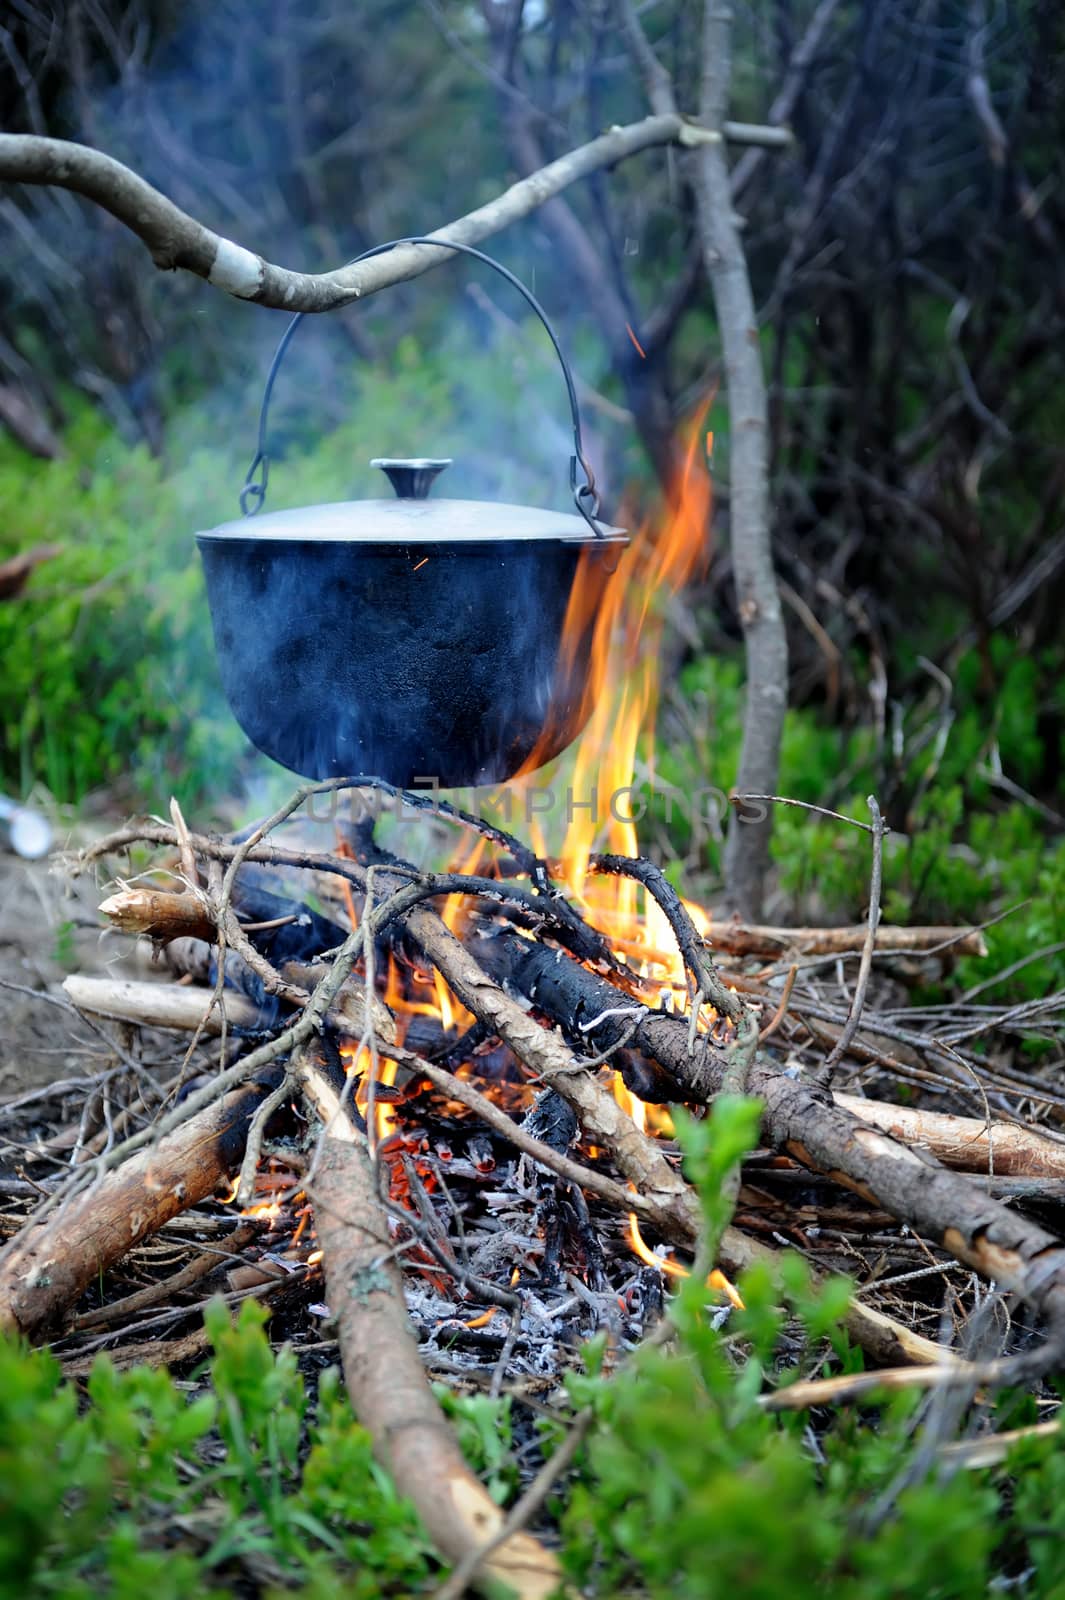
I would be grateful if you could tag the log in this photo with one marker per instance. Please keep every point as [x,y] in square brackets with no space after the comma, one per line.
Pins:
[48,1265]
[159,914]
[968,1144]
[182,1008]
[385,1377]
[161,1005]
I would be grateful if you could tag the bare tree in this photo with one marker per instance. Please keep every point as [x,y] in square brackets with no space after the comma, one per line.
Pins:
[765,639]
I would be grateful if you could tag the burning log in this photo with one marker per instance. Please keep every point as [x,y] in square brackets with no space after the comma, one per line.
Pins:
[667,1200]
[384,1373]
[49,1264]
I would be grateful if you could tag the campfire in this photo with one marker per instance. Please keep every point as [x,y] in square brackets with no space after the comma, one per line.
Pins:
[449,1095]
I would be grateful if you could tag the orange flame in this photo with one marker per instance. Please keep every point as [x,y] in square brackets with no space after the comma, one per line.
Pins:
[621,632]
[611,643]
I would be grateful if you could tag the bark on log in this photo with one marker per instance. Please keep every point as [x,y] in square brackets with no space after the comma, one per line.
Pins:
[387,1383]
[968,1144]
[159,915]
[49,1265]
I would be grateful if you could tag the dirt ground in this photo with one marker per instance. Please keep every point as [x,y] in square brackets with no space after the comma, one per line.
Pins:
[48,928]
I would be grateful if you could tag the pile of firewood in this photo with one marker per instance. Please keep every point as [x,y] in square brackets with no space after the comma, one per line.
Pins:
[490,1188]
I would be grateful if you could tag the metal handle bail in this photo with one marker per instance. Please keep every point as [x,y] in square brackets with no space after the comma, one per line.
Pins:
[585,494]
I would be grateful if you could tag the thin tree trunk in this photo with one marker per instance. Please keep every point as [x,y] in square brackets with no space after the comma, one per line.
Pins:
[747,846]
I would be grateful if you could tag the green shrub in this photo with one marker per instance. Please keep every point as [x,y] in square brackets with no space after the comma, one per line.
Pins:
[144,1488]
[688,1487]
[958,853]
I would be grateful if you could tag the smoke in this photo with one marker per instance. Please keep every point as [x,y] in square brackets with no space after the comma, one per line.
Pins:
[259,125]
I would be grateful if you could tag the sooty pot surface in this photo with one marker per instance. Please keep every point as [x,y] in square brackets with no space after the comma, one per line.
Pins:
[418,660]
[411,640]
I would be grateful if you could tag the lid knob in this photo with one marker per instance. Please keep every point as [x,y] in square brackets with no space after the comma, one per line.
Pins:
[411,480]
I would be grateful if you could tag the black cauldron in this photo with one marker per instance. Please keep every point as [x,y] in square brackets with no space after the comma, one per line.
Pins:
[410,639]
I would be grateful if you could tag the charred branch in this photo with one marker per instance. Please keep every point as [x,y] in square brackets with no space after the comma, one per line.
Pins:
[800,1119]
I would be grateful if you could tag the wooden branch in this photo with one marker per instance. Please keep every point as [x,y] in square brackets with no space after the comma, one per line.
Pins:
[165,1289]
[758,598]
[759,135]
[348,1011]
[968,1144]
[183,1008]
[945,1206]
[159,914]
[15,571]
[754,939]
[786,99]
[49,1265]
[765,639]
[177,241]
[730,936]
[865,966]
[387,1382]
[161,1005]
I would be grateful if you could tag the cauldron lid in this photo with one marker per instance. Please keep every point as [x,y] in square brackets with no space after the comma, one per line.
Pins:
[458,522]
